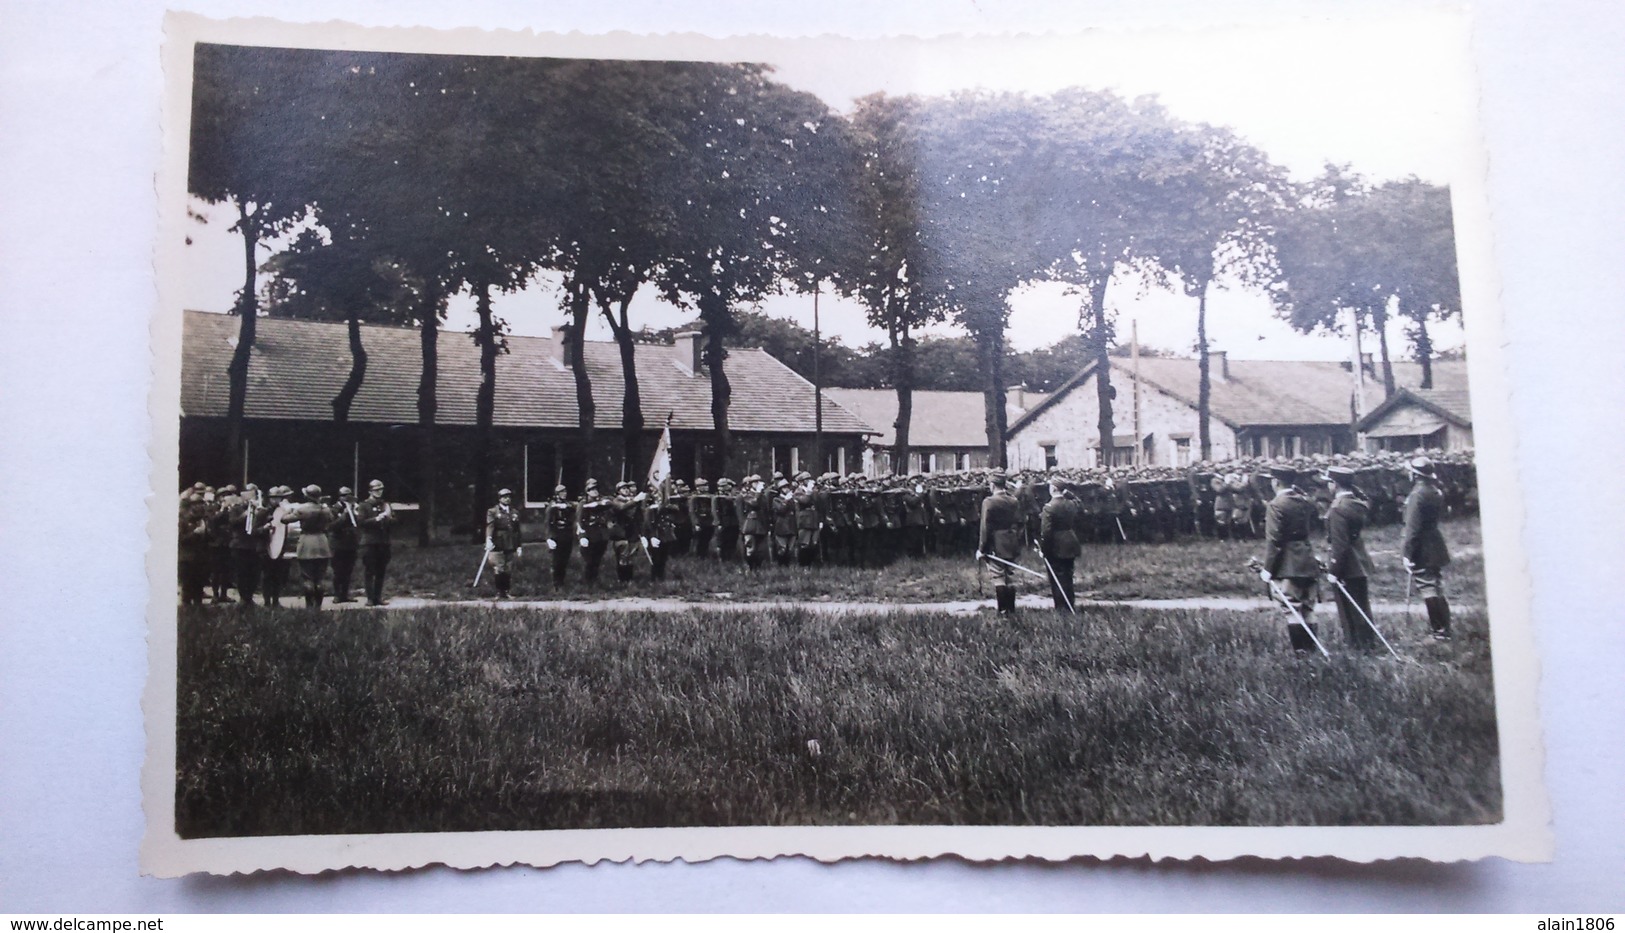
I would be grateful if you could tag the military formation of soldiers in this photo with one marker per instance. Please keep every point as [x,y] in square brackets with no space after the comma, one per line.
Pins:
[258,542]
[254,542]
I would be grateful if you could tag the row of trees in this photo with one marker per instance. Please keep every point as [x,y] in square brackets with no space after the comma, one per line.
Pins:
[394,182]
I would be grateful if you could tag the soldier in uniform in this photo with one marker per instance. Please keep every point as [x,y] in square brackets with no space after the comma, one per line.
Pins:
[1223,505]
[274,575]
[559,516]
[783,510]
[837,534]
[1347,562]
[194,548]
[1289,558]
[1058,540]
[247,521]
[503,544]
[592,530]
[809,520]
[725,508]
[755,520]
[662,516]
[343,538]
[373,519]
[870,520]
[1003,534]
[682,531]
[702,520]
[220,544]
[1422,546]
[916,517]
[625,528]
[312,550]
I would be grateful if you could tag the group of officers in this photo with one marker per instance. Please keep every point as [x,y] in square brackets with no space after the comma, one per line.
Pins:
[1291,567]
[259,541]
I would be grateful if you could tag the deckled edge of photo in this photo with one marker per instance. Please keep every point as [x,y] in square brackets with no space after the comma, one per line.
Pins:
[1524,834]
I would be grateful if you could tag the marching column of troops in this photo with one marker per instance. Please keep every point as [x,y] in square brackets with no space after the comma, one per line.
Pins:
[255,542]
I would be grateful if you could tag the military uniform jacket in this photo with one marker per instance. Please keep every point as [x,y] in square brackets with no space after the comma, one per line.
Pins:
[701,511]
[839,509]
[1345,521]
[502,527]
[373,518]
[560,519]
[342,536]
[592,520]
[1287,526]
[194,531]
[1004,531]
[240,513]
[914,514]
[1058,529]
[785,518]
[728,510]
[625,518]
[753,514]
[868,510]
[891,508]
[807,517]
[658,518]
[313,519]
[1423,543]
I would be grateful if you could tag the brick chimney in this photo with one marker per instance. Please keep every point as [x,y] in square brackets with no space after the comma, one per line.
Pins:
[1016,397]
[686,351]
[561,351]
[1218,365]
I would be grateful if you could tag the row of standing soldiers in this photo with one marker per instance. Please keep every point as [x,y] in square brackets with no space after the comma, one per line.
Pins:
[261,542]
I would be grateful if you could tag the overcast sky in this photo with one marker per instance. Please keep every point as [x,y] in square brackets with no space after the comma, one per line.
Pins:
[1386,97]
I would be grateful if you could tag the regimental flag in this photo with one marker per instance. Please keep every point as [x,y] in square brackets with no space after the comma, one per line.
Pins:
[660,468]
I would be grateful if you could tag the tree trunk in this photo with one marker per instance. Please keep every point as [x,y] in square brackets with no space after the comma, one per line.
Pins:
[358,371]
[237,369]
[715,317]
[990,345]
[902,345]
[575,349]
[428,403]
[1424,350]
[1379,318]
[631,397]
[485,401]
[1204,384]
[1103,364]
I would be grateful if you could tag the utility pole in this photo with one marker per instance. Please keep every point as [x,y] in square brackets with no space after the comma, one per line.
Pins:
[818,393]
[1134,352]
[1359,378]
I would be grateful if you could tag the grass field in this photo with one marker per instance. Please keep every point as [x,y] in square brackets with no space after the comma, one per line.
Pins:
[1187,567]
[470,718]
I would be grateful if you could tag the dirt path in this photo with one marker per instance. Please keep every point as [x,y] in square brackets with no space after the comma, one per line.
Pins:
[951,607]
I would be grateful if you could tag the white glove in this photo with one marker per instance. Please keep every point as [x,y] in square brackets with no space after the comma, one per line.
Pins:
[519,552]
[1266,576]
[552,545]
[654,542]
[583,542]
[489,546]
[644,541]
[978,555]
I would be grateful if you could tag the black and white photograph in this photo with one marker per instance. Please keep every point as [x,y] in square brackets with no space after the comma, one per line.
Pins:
[577,447]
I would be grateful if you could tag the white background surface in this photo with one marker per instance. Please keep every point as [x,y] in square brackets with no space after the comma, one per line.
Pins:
[79,142]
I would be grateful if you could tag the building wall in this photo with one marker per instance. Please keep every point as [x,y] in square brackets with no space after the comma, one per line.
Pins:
[1070,424]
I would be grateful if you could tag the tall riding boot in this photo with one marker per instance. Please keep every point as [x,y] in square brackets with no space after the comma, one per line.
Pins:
[502,586]
[1438,617]
[316,595]
[1005,596]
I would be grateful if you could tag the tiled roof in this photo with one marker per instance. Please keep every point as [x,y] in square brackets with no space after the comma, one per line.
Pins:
[941,419]
[298,366]
[1264,393]
[1450,404]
